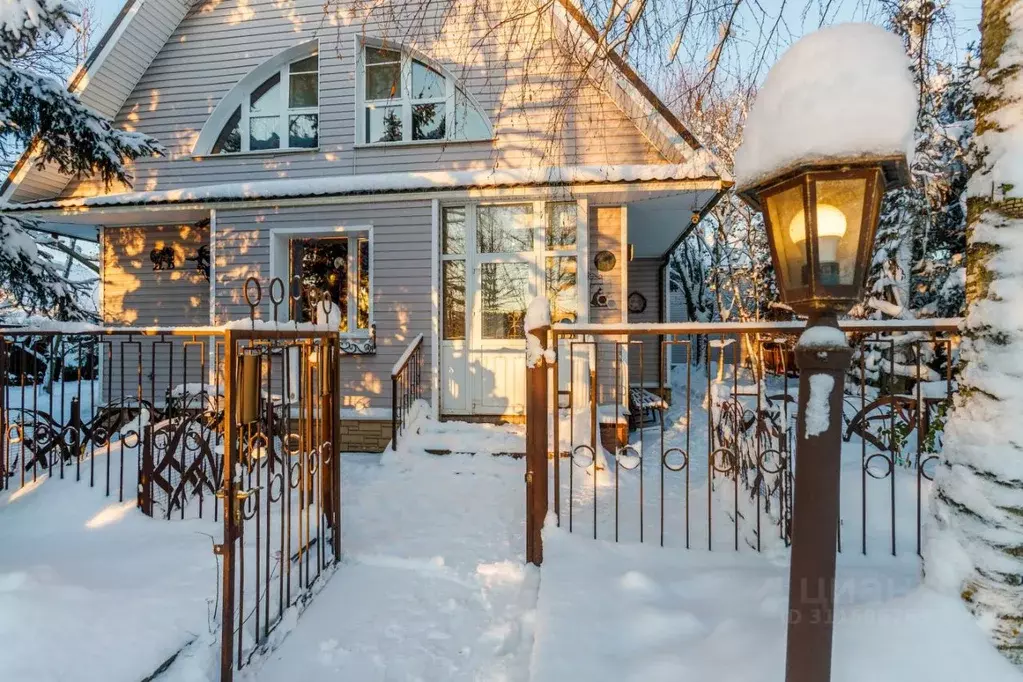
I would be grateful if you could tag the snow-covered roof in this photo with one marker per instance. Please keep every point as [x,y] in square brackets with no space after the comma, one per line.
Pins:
[840,93]
[701,166]
[105,87]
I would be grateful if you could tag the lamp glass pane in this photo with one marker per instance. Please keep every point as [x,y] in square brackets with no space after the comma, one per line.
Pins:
[788,229]
[839,223]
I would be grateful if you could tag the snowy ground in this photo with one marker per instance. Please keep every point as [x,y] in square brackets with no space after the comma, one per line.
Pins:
[433,586]
[662,615]
[90,589]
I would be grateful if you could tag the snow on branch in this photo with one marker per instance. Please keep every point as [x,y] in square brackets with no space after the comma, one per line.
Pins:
[70,135]
[24,23]
[30,279]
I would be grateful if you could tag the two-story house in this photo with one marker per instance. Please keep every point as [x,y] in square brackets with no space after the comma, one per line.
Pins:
[431,165]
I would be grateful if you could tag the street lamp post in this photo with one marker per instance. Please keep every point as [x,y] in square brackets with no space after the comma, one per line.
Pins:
[821,220]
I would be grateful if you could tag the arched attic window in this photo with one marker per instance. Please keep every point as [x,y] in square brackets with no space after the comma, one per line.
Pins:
[403,97]
[274,107]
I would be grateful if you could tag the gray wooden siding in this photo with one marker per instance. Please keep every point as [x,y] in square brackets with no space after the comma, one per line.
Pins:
[553,116]
[402,292]
[606,235]
[106,87]
[136,295]
[644,277]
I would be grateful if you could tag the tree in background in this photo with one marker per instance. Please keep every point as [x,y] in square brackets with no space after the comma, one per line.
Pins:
[37,111]
[975,545]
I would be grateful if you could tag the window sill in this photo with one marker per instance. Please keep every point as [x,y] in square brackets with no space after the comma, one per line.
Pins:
[420,143]
[261,153]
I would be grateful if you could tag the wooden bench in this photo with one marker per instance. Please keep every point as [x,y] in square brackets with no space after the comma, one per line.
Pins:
[645,407]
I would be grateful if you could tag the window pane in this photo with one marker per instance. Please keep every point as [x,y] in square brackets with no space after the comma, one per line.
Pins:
[266,99]
[263,132]
[376,55]
[454,299]
[454,230]
[428,121]
[362,311]
[322,264]
[230,139]
[307,64]
[561,226]
[383,81]
[426,83]
[303,130]
[303,90]
[561,288]
[469,122]
[505,229]
[504,292]
[383,124]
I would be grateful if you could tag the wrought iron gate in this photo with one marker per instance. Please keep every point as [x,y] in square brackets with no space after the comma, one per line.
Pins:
[281,480]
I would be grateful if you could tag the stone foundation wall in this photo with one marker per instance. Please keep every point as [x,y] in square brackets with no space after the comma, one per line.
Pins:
[365,435]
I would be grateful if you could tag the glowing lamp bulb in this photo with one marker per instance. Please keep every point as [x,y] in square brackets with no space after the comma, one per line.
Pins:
[830,223]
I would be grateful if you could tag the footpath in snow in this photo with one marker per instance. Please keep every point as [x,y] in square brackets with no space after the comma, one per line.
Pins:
[433,585]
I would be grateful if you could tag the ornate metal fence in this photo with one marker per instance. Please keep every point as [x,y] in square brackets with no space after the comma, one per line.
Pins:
[235,424]
[700,452]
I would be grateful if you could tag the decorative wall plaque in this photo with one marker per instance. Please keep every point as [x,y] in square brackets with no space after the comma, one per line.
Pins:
[163,259]
[605,261]
[637,302]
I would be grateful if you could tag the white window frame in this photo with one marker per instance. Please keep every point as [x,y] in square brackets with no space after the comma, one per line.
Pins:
[540,252]
[405,101]
[240,95]
[280,266]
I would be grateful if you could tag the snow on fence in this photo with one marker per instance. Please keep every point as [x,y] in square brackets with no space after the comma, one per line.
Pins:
[700,453]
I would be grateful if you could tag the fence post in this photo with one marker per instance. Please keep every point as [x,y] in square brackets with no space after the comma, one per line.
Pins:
[230,506]
[536,438]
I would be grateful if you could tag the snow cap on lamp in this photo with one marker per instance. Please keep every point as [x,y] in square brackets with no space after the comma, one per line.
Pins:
[841,93]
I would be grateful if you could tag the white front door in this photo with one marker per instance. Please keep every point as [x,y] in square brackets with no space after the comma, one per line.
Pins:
[509,253]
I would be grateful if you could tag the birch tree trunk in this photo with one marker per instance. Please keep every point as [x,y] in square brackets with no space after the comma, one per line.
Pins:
[975,543]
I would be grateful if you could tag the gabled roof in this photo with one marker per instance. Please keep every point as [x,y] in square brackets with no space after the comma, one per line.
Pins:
[142,27]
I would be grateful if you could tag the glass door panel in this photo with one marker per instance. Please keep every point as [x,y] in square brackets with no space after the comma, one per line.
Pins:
[504,296]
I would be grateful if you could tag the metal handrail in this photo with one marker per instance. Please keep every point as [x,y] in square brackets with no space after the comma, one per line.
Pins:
[406,375]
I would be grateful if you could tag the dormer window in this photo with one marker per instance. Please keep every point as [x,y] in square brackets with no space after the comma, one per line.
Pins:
[280,112]
[404,99]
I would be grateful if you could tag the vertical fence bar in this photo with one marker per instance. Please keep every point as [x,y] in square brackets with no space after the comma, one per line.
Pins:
[227,549]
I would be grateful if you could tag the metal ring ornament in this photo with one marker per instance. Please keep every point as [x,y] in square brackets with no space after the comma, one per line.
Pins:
[582,461]
[16,433]
[278,479]
[313,462]
[294,475]
[627,461]
[923,466]
[729,465]
[250,505]
[326,303]
[276,297]
[258,441]
[132,439]
[667,462]
[882,475]
[292,443]
[327,452]
[252,284]
[772,470]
